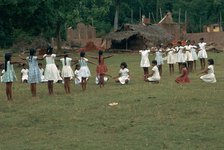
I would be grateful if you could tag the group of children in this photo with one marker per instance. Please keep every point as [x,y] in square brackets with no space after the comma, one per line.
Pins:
[185,56]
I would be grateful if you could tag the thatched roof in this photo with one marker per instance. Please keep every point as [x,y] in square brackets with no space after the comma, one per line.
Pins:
[151,32]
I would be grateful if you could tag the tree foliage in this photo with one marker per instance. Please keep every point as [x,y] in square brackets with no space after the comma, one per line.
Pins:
[25,19]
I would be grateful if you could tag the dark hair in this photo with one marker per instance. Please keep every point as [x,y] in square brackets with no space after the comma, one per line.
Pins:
[39,64]
[170,44]
[82,54]
[154,62]
[124,64]
[184,64]
[32,53]
[49,50]
[211,61]
[100,55]
[179,42]
[201,39]
[23,64]
[7,58]
[76,66]
[66,55]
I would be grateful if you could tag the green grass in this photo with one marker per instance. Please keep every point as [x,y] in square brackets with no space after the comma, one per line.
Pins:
[148,116]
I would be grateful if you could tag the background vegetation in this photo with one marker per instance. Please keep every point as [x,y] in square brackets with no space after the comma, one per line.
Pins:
[26,19]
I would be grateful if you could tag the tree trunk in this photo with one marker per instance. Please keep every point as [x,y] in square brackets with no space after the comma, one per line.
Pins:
[116,17]
[58,35]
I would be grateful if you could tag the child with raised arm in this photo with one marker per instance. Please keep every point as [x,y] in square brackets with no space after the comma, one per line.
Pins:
[194,54]
[84,71]
[209,72]
[183,78]
[145,64]
[101,68]
[24,74]
[67,73]
[188,55]
[124,75]
[51,73]
[171,60]
[9,75]
[180,56]
[34,75]
[202,54]
[159,58]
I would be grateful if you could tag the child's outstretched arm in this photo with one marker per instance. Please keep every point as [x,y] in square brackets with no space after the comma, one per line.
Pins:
[203,72]
[105,57]
[92,62]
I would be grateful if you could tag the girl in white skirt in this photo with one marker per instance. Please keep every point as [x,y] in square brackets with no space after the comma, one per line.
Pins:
[209,76]
[159,58]
[67,73]
[154,77]
[180,57]
[171,57]
[188,55]
[194,54]
[145,64]
[84,71]
[202,54]
[78,79]
[51,73]
[124,75]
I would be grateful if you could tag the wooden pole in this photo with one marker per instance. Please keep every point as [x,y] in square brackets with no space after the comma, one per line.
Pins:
[132,16]
[220,21]
[153,17]
[200,25]
[179,15]
[179,23]
[140,14]
[150,17]
[161,15]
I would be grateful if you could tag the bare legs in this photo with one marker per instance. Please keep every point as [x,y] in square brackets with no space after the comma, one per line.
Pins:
[146,72]
[160,67]
[101,80]
[33,89]
[50,87]
[9,91]
[171,68]
[83,83]
[202,61]
[67,85]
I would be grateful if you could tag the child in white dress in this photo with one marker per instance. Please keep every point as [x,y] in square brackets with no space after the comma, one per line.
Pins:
[171,57]
[188,55]
[51,73]
[3,71]
[202,54]
[154,76]
[124,75]
[194,54]
[209,76]
[41,72]
[159,58]
[67,73]
[24,74]
[180,56]
[145,63]
[78,78]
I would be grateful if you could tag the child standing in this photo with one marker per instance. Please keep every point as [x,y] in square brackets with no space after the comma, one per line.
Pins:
[51,73]
[154,77]
[9,75]
[78,79]
[188,55]
[209,76]
[84,71]
[124,75]
[183,78]
[159,58]
[180,55]
[67,73]
[34,75]
[171,57]
[41,72]
[101,68]
[202,54]
[145,64]
[194,54]
[24,74]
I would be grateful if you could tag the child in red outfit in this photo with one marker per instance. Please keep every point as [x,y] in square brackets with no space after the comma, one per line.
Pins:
[183,78]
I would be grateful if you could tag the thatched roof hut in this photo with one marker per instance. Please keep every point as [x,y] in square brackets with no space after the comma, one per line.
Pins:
[135,37]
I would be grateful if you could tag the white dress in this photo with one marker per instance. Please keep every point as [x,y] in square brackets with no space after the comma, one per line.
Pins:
[188,54]
[193,52]
[66,69]
[78,78]
[24,73]
[105,79]
[124,75]
[180,55]
[210,77]
[202,52]
[155,76]
[84,71]
[3,71]
[144,58]
[171,56]
[159,57]
[51,71]
[42,75]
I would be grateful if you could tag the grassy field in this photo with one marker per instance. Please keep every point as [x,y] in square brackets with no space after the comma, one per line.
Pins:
[148,116]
